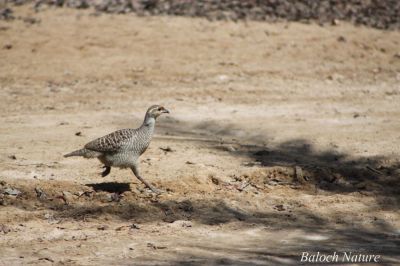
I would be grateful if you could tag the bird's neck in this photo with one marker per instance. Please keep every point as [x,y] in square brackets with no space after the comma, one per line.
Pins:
[149,122]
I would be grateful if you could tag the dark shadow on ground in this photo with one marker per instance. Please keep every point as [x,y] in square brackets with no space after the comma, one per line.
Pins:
[290,254]
[328,170]
[111,187]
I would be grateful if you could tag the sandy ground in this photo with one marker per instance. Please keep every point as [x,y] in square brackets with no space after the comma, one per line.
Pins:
[284,139]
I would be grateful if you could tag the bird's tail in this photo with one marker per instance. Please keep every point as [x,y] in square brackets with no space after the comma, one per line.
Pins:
[81,152]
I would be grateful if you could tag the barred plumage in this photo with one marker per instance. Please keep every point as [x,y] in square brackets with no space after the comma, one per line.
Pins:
[113,141]
[123,147]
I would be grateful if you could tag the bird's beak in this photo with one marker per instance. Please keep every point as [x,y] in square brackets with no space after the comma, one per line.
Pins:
[165,111]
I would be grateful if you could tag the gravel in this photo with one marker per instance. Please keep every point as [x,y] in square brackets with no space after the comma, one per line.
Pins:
[382,14]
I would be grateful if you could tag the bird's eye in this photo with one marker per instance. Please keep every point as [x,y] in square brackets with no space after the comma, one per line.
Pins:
[159,108]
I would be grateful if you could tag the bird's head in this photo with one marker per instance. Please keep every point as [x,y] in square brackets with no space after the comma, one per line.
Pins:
[155,111]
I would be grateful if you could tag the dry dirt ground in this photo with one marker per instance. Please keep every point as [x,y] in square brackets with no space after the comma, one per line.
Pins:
[282,139]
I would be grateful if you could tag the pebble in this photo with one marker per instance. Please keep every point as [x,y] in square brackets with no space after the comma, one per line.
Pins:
[378,14]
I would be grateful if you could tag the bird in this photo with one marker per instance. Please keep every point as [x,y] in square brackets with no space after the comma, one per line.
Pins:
[122,148]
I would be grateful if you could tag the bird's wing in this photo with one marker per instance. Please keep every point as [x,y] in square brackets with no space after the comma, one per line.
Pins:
[111,142]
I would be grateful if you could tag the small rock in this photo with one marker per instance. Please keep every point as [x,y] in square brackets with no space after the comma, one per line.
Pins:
[7,46]
[229,148]
[68,197]
[4,229]
[82,193]
[40,193]
[335,22]
[341,39]
[279,208]
[51,219]
[242,186]
[299,174]
[223,78]
[376,70]
[6,14]
[134,226]
[12,192]
[251,164]
[151,245]
[102,227]
[79,134]
[12,157]
[215,180]
[79,193]
[47,258]
[336,77]
[181,223]
[31,20]
[166,149]
[272,183]
[114,197]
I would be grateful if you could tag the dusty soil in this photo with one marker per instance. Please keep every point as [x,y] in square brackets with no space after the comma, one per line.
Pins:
[284,138]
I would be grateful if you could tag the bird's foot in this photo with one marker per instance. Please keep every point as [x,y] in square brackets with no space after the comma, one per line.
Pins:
[107,170]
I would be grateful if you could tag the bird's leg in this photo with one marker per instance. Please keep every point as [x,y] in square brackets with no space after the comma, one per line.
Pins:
[135,170]
[107,170]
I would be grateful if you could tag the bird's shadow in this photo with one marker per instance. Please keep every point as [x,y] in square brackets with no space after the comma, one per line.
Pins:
[111,187]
